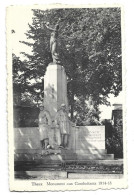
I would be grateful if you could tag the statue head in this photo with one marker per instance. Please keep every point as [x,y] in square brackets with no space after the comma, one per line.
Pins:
[41,107]
[63,107]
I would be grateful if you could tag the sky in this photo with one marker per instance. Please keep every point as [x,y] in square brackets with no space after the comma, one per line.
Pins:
[20,18]
[106,111]
[19,23]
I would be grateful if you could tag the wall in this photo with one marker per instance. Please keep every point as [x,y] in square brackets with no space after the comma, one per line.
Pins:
[81,138]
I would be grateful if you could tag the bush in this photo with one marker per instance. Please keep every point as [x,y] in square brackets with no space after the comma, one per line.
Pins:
[114,141]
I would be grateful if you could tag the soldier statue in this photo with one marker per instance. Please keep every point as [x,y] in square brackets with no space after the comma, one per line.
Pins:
[44,127]
[62,122]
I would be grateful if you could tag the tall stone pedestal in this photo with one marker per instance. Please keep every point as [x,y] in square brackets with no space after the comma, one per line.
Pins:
[55,88]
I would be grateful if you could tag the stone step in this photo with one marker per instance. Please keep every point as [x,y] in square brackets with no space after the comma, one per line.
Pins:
[94,161]
[61,151]
[39,158]
[94,176]
[95,156]
[67,152]
[48,175]
[52,155]
[69,156]
[35,151]
[91,151]
[23,157]
[78,166]
[109,157]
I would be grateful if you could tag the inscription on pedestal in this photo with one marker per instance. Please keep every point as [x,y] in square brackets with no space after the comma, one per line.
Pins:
[88,137]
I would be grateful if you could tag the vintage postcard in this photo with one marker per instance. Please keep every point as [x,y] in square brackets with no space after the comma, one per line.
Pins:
[66,98]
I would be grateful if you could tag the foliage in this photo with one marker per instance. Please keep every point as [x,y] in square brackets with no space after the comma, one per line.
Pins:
[26,116]
[26,91]
[87,113]
[90,50]
[114,140]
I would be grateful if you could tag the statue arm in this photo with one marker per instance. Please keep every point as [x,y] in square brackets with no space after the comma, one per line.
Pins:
[49,28]
[40,119]
[49,118]
[57,119]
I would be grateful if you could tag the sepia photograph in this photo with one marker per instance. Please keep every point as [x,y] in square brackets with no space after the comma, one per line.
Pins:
[66,98]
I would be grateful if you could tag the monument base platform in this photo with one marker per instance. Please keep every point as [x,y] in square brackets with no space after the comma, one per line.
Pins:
[62,163]
[61,155]
[71,169]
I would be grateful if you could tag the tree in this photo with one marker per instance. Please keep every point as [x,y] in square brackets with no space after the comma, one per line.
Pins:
[26,89]
[89,47]
[114,138]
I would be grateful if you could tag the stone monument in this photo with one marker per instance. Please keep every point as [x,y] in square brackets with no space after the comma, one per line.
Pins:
[86,142]
[66,140]
[55,94]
